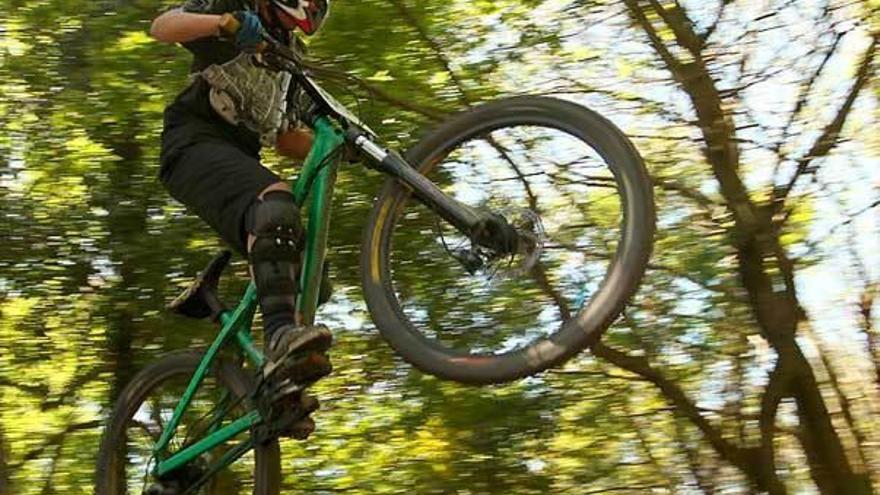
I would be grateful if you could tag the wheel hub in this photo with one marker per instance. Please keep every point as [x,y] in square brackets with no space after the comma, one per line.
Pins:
[527,231]
[530,229]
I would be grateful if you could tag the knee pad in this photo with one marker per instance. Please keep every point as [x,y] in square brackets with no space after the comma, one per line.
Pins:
[274,257]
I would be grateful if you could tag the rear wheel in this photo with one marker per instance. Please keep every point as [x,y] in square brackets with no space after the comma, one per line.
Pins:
[125,460]
[577,192]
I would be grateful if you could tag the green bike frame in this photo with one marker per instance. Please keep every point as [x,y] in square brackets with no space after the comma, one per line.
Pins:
[315,183]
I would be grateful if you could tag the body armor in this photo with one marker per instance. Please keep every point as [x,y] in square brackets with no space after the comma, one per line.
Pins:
[244,91]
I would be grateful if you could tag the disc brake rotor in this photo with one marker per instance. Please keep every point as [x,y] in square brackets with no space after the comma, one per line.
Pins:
[532,239]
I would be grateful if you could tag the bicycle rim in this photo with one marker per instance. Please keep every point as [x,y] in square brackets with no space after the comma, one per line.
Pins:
[538,157]
[144,407]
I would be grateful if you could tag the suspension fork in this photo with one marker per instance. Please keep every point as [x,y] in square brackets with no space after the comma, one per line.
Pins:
[484,228]
[461,216]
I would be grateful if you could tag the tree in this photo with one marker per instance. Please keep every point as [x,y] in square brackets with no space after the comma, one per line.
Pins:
[760,220]
[722,376]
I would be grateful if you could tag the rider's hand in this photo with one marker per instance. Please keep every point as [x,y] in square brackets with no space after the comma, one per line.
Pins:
[250,33]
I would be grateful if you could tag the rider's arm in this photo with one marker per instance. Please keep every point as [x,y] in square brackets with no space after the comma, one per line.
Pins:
[177,26]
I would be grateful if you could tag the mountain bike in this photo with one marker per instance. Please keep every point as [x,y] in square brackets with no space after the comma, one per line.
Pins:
[507,240]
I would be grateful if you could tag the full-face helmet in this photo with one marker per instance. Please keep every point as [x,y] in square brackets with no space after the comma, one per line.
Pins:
[308,14]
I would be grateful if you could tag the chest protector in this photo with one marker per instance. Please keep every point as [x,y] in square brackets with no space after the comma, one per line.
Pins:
[243,91]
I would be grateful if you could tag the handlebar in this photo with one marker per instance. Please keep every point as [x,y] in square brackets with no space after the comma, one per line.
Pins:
[463,217]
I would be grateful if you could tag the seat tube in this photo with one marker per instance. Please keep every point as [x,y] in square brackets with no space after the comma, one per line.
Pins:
[327,139]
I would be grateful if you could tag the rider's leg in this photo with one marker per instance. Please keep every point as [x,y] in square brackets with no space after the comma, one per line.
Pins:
[280,246]
[326,285]
[274,247]
[221,182]
[228,188]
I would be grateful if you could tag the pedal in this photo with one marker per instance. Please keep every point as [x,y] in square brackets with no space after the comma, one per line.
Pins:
[286,414]
[272,391]
[301,430]
[296,422]
[305,369]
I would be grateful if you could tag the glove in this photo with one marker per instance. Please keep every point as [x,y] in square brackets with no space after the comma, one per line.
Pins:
[250,34]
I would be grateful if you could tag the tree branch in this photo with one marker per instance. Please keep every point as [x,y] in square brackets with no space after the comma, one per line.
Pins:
[776,390]
[719,132]
[533,200]
[48,484]
[843,401]
[866,305]
[704,37]
[758,78]
[766,273]
[807,88]
[682,27]
[676,396]
[827,140]
[653,37]
[69,394]
[539,274]
[55,440]
[39,389]
[4,465]
[623,488]
[435,48]
[669,184]
[706,481]
[639,428]
[433,113]
[870,290]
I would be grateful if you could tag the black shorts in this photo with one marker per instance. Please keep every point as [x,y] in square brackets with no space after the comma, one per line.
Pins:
[211,166]
[218,181]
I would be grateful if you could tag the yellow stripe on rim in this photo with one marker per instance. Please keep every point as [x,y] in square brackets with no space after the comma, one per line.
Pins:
[383,215]
[377,236]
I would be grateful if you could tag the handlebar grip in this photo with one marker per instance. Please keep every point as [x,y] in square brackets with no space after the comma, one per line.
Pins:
[229,25]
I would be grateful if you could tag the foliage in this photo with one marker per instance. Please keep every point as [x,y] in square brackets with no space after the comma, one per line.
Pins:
[734,370]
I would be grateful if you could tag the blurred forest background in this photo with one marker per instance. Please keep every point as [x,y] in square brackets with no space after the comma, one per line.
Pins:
[748,363]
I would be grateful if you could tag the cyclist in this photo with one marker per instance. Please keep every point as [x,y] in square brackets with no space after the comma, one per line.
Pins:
[210,162]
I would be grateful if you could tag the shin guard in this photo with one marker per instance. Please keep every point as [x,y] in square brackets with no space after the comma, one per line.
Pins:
[274,257]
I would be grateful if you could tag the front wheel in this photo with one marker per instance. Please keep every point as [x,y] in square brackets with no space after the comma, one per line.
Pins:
[125,460]
[578,194]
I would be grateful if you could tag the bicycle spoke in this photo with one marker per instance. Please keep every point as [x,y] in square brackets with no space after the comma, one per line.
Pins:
[217,413]
[154,433]
[574,194]
[211,408]
[228,458]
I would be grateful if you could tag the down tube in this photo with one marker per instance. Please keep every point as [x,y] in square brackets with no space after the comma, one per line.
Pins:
[327,139]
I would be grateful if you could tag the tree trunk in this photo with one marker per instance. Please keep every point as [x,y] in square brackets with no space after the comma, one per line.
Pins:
[765,270]
[126,224]
[4,465]
[829,466]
